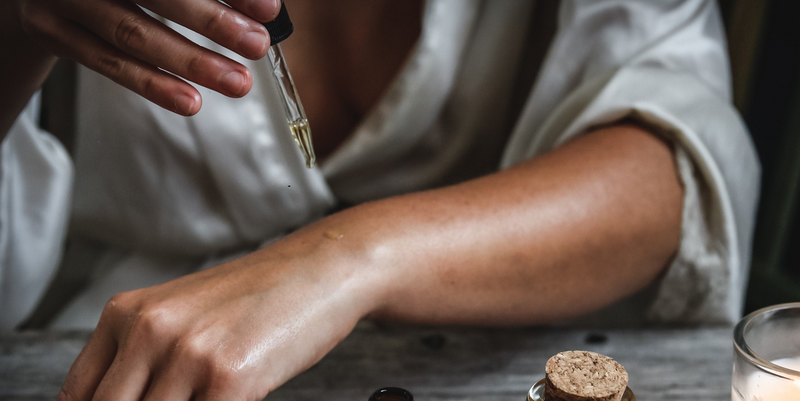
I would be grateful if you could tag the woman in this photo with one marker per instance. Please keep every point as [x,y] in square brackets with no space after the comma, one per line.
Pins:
[626,180]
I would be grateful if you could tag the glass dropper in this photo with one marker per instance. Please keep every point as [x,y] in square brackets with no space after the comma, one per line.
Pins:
[279,29]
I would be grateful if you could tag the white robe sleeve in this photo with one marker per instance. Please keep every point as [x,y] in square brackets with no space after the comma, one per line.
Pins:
[665,64]
[35,182]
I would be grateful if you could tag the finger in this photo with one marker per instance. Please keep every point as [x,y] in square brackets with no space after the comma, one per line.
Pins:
[126,379]
[218,396]
[172,385]
[127,27]
[157,86]
[89,367]
[259,10]
[212,394]
[218,22]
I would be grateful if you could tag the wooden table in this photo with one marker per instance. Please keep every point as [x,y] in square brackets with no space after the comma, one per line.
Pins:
[436,364]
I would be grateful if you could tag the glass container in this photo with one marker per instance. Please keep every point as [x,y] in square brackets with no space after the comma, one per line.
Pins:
[536,393]
[766,359]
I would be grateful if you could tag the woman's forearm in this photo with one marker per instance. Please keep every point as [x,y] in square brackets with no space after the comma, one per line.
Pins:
[555,237]
[24,68]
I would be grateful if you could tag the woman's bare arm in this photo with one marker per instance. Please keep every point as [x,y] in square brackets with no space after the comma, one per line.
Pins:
[555,237]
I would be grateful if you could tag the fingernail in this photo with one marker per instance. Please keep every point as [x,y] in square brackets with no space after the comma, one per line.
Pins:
[185,104]
[233,83]
[262,10]
[277,9]
[253,44]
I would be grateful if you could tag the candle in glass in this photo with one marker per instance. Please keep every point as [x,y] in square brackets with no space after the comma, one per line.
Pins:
[771,388]
[766,363]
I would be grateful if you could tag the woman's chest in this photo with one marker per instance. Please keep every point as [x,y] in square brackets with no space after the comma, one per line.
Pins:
[343,56]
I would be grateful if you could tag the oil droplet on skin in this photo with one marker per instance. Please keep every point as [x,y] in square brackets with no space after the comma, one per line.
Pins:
[333,234]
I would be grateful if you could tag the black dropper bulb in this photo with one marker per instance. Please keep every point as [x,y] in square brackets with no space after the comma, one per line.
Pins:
[281,27]
[391,394]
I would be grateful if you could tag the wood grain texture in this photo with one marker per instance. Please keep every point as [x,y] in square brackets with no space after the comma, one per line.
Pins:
[436,364]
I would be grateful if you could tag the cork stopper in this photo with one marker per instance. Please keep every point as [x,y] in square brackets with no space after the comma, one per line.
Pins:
[584,376]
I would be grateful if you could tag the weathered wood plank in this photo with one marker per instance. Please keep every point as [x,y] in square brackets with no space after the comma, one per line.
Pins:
[436,364]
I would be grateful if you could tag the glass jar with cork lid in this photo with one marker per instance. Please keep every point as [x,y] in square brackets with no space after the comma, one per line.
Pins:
[582,376]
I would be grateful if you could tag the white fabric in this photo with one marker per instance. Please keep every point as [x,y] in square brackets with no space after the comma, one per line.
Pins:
[152,181]
[35,184]
[162,186]
[664,63]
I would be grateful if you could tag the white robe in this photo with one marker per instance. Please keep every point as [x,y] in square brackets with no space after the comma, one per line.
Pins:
[166,195]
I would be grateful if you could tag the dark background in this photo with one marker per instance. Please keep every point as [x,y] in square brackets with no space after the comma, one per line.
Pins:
[764,41]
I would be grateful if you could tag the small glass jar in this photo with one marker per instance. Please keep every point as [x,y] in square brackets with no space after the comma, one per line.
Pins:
[536,393]
[766,358]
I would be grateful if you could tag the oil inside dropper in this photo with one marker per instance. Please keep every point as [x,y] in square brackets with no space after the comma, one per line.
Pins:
[301,132]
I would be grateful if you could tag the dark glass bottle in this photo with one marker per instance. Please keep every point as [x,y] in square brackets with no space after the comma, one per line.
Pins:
[391,394]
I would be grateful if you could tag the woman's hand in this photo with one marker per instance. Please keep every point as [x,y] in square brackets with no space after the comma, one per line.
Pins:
[119,40]
[234,332]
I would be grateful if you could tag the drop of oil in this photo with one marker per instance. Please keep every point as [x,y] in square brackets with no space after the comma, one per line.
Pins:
[333,234]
